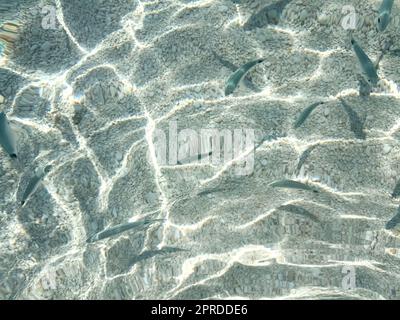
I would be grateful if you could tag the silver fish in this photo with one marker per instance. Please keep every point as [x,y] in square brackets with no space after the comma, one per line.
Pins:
[366,64]
[396,191]
[7,138]
[291,184]
[384,14]
[306,112]
[140,225]
[235,78]
[303,157]
[194,158]
[246,79]
[392,223]
[210,190]
[152,253]
[34,183]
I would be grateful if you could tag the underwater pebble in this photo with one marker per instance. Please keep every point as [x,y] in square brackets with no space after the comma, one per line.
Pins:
[386,148]
[119,156]
[323,19]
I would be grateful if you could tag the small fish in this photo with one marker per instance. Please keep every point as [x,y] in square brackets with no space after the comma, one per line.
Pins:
[384,14]
[303,157]
[34,183]
[396,191]
[246,79]
[392,223]
[140,225]
[304,115]
[194,158]
[366,64]
[7,138]
[269,14]
[300,211]
[210,190]
[269,137]
[235,78]
[356,125]
[152,253]
[291,184]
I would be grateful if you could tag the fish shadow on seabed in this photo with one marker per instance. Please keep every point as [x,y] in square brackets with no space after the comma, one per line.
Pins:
[125,255]
[37,218]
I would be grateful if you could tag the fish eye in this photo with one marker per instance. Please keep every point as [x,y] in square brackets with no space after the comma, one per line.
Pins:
[379,20]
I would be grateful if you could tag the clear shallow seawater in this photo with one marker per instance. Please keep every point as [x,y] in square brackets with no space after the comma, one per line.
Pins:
[102,91]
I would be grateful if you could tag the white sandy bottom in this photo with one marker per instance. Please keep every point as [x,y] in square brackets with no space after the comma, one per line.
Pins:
[91,105]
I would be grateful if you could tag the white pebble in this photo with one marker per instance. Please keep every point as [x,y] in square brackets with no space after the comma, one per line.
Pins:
[119,156]
[386,148]
[323,19]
